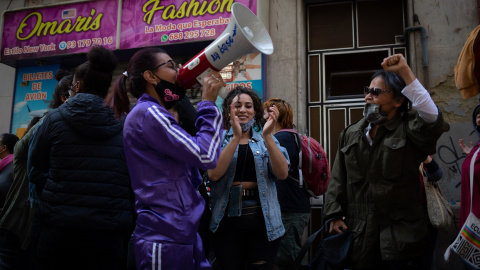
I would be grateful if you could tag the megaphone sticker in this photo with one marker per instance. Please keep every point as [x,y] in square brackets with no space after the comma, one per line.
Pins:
[224,47]
[245,34]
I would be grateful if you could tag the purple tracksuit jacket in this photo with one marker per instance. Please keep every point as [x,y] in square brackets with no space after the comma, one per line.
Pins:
[163,162]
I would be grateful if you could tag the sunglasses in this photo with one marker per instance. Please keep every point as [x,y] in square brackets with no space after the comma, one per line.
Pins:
[172,65]
[375,91]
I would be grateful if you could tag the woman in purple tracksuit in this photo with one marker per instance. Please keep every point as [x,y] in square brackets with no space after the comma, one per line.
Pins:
[163,160]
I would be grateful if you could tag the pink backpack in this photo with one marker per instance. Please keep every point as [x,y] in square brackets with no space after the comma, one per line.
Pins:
[313,166]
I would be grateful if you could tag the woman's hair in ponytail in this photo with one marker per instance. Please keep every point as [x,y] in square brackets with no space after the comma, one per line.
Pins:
[96,73]
[144,59]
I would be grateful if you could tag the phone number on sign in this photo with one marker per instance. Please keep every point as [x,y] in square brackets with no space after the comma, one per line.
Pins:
[189,34]
[81,43]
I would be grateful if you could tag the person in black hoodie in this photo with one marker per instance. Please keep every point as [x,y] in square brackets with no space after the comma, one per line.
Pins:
[78,165]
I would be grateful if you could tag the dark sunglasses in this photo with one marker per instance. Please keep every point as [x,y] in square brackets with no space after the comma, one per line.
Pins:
[172,65]
[375,91]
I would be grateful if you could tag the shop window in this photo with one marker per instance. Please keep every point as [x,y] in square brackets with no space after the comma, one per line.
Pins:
[330,26]
[347,73]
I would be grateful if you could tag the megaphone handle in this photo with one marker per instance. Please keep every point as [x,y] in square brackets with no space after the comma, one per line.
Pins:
[222,92]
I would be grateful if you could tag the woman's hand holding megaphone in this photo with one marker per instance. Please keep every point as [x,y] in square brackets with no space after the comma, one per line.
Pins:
[211,84]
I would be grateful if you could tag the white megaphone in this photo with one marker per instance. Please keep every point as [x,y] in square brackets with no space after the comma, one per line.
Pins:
[244,34]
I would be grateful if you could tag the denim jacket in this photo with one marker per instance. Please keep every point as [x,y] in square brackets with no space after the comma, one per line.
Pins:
[266,186]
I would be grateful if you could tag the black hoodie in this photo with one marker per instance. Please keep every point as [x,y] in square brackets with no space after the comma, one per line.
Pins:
[80,147]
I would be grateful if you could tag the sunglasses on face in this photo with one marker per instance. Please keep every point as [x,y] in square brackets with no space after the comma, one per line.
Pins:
[171,65]
[375,91]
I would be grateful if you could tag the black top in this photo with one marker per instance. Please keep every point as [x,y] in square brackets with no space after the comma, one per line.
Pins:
[292,198]
[187,115]
[245,171]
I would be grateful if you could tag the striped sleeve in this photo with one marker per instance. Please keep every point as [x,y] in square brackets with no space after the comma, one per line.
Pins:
[163,133]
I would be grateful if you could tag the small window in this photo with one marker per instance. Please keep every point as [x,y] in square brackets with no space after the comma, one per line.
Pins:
[330,26]
[402,51]
[314,75]
[346,74]
[379,21]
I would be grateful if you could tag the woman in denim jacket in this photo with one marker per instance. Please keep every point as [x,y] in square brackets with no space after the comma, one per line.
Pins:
[246,218]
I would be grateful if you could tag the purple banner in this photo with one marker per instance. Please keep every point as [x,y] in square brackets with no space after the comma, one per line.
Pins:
[62,29]
[157,22]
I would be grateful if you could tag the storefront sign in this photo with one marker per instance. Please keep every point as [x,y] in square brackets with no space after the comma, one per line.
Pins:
[33,91]
[246,72]
[158,22]
[58,30]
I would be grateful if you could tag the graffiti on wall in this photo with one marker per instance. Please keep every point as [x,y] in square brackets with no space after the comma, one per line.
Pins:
[450,158]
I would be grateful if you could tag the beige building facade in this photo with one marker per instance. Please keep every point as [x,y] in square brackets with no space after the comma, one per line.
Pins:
[325,52]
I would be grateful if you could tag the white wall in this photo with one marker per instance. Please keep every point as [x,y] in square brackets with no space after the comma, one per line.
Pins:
[447,24]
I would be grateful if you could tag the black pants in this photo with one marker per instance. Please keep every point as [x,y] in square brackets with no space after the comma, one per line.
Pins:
[72,248]
[12,256]
[242,242]
[407,264]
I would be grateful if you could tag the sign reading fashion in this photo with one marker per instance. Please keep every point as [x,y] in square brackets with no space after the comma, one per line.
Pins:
[157,22]
[55,30]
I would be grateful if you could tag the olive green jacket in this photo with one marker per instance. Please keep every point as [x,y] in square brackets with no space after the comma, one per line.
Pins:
[17,215]
[377,188]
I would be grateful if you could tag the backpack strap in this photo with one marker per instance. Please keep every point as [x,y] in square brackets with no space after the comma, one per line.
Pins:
[298,141]
[289,130]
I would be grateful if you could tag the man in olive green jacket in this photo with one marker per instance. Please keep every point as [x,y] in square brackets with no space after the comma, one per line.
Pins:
[374,191]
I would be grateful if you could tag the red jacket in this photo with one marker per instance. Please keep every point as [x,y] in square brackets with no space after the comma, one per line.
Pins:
[465,196]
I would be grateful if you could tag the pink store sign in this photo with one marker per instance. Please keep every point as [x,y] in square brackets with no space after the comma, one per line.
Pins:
[62,29]
[158,22]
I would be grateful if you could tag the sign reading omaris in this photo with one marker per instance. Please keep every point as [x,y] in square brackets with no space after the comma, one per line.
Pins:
[74,28]
[54,30]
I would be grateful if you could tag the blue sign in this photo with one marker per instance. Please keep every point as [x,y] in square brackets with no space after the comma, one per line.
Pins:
[33,92]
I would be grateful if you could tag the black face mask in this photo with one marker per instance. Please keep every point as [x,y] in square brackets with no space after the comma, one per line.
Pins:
[170,93]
